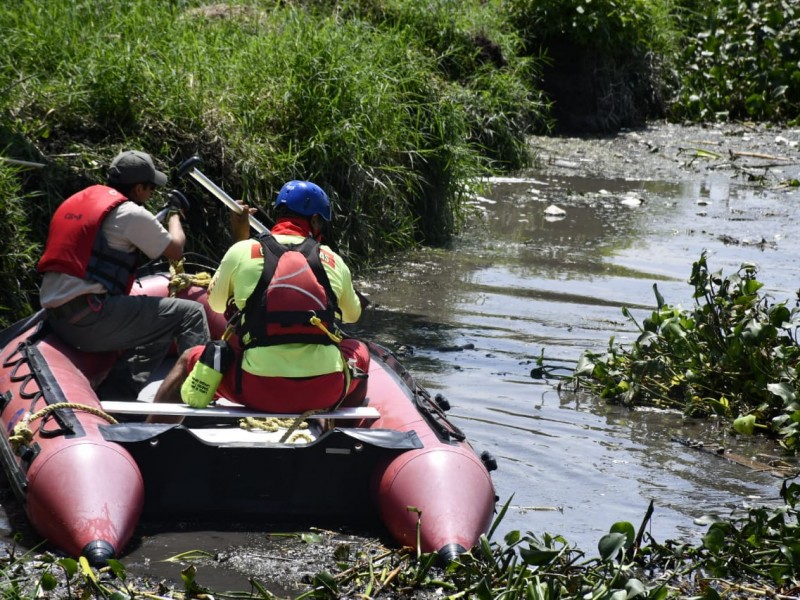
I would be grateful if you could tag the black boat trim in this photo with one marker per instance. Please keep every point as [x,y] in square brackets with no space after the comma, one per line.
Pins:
[387,439]
[430,409]
[47,388]
[20,327]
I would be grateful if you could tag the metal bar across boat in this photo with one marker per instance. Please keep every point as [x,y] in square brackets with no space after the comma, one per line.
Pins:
[230,410]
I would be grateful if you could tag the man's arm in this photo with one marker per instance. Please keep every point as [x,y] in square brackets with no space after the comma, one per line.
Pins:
[342,283]
[174,250]
[240,222]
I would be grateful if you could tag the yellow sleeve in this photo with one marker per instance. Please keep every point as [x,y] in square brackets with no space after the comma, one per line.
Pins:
[221,288]
[342,284]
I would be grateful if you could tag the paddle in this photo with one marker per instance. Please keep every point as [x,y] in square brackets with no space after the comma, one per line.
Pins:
[188,167]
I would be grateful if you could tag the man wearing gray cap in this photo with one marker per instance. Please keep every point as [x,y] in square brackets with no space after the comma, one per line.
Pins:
[90,258]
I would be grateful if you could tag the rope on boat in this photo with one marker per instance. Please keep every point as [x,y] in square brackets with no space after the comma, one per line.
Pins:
[292,426]
[23,436]
[180,280]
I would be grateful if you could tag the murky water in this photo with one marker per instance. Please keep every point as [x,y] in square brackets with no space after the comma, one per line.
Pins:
[520,283]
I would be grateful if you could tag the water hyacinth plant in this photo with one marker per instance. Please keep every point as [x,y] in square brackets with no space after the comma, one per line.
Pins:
[735,354]
[739,61]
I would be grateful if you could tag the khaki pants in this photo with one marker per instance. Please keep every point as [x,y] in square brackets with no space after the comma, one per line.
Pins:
[143,327]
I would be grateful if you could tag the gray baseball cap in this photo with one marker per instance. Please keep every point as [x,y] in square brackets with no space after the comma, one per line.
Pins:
[132,166]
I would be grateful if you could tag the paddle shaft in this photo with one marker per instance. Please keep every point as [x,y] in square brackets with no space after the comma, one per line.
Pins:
[189,168]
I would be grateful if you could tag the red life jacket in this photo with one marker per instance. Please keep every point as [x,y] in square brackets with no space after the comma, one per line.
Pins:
[76,244]
[293,288]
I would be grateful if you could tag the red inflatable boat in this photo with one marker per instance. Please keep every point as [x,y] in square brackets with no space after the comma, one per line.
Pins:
[87,471]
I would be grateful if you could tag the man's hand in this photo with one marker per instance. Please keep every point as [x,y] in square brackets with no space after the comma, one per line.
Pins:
[177,203]
[240,222]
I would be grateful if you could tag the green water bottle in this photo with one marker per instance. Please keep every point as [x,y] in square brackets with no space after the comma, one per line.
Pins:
[200,386]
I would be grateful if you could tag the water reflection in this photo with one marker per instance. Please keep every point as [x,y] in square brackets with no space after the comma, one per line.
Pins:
[519,284]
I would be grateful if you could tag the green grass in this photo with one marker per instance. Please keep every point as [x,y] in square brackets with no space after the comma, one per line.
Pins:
[18,258]
[394,125]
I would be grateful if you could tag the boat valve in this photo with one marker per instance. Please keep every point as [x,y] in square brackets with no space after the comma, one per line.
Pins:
[98,552]
[488,461]
[449,553]
[442,402]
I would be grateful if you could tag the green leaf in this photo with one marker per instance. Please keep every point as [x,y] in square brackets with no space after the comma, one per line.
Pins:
[48,582]
[189,555]
[662,593]
[715,538]
[753,331]
[635,588]
[327,581]
[484,590]
[625,528]
[117,568]
[610,545]
[512,537]
[783,390]
[745,424]
[710,594]
[538,556]
[585,366]
[70,566]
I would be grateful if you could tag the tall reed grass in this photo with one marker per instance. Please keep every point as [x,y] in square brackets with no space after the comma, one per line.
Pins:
[17,260]
[393,121]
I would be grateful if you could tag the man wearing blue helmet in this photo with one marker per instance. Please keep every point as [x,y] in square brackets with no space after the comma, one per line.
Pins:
[288,291]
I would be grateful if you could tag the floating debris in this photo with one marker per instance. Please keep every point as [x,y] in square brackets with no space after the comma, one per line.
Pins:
[555,211]
[632,199]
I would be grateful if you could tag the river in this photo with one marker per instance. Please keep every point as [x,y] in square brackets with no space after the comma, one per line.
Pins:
[471,319]
[638,210]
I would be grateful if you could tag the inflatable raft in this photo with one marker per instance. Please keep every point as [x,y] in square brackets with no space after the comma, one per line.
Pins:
[86,470]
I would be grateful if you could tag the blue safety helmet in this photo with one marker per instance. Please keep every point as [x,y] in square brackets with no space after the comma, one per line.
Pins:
[304,198]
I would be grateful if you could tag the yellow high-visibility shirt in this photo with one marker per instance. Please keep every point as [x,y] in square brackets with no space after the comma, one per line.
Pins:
[237,277]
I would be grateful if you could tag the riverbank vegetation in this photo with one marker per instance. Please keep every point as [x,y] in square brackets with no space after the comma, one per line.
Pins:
[398,108]
[395,110]
[734,354]
[750,554]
